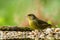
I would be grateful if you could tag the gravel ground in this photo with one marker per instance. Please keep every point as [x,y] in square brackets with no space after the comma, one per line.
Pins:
[46,34]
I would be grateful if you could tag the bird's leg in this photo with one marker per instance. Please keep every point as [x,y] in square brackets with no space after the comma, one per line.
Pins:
[41,31]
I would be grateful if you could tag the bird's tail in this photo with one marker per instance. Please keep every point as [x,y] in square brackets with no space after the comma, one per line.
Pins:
[51,26]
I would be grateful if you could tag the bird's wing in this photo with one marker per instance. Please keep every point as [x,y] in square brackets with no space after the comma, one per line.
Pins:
[42,24]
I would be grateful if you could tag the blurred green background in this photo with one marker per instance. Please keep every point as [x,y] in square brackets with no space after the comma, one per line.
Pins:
[12,12]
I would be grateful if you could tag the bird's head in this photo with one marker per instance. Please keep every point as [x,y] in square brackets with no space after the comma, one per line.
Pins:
[31,16]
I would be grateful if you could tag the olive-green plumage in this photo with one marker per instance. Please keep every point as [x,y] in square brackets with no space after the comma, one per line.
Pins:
[35,23]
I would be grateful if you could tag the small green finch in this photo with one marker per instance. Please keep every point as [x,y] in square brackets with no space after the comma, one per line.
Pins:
[35,23]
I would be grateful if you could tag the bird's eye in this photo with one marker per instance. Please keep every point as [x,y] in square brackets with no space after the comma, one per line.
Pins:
[33,17]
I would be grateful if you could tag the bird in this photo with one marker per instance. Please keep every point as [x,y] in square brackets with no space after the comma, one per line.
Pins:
[36,23]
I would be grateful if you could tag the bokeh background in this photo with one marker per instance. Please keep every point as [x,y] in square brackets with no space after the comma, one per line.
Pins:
[13,12]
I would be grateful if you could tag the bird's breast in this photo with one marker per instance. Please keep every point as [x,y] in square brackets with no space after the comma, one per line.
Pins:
[33,24]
